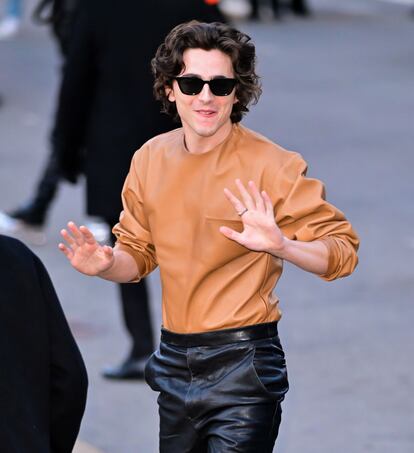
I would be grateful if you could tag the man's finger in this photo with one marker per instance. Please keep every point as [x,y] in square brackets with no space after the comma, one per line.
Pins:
[229,233]
[268,203]
[237,204]
[67,251]
[108,250]
[260,205]
[87,235]
[78,236]
[68,238]
[247,199]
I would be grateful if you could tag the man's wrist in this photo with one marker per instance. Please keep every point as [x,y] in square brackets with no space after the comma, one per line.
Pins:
[281,248]
[106,273]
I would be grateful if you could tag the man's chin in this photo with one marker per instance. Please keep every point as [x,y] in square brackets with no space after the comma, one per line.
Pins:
[207,130]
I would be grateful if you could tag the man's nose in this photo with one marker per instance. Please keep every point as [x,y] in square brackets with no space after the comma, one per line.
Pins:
[205,94]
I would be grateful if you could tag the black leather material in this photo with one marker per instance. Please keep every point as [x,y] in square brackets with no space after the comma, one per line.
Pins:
[220,337]
[219,398]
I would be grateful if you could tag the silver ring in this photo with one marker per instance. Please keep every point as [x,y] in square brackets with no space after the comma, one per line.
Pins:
[243,212]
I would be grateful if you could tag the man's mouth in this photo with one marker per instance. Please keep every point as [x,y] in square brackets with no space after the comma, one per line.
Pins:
[206,113]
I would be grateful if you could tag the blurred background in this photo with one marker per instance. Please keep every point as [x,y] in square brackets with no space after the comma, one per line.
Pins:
[338,87]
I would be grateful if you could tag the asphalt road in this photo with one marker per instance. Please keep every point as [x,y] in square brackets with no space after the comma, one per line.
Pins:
[339,89]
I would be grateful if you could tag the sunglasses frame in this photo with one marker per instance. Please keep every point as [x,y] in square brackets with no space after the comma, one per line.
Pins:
[208,82]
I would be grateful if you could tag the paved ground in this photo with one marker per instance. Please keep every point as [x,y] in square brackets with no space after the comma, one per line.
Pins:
[339,89]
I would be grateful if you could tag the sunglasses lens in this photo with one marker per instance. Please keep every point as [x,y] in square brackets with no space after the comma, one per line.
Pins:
[193,85]
[190,85]
[222,87]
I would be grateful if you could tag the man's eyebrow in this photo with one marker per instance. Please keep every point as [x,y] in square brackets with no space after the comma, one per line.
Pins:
[198,76]
[190,74]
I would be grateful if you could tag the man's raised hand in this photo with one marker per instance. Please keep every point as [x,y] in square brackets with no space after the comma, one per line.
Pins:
[85,254]
[260,233]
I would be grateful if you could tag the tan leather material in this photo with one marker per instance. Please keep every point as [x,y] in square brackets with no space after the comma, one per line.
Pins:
[174,205]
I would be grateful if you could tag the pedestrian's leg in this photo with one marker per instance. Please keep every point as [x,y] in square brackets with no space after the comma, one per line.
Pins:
[300,7]
[27,221]
[47,187]
[137,318]
[276,8]
[255,9]
[35,211]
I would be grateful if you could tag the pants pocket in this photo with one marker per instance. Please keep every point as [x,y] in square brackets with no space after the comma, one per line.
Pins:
[269,367]
[149,373]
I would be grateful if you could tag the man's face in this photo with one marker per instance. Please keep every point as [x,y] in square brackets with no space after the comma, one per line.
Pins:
[204,114]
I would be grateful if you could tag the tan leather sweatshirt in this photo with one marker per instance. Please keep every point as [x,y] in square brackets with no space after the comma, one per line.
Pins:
[174,205]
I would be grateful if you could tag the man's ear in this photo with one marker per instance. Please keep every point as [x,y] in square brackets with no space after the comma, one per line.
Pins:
[170,94]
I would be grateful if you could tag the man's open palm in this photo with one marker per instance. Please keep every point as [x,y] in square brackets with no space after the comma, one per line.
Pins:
[83,251]
[255,209]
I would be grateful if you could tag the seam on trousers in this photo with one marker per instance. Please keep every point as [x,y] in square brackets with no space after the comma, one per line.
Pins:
[273,424]
[186,402]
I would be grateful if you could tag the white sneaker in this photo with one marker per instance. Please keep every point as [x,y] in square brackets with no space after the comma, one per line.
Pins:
[236,9]
[30,234]
[9,27]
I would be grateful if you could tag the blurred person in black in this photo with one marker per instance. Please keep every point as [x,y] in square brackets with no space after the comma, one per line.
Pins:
[106,111]
[28,220]
[298,7]
[43,381]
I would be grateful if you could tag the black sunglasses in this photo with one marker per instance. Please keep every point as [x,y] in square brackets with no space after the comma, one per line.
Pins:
[193,85]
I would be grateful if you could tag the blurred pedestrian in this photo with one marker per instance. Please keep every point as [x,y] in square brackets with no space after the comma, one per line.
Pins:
[43,380]
[298,7]
[28,221]
[256,4]
[10,24]
[59,15]
[106,111]
[218,208]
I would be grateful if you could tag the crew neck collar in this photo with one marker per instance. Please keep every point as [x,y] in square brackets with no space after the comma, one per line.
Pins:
[220,145]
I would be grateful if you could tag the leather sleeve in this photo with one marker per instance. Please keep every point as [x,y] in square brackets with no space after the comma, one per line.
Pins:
[133,232]
[304,214]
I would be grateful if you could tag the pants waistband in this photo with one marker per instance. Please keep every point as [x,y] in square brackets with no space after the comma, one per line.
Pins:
[220,337]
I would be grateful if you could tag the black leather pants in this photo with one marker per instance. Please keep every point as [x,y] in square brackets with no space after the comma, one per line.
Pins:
[220,392]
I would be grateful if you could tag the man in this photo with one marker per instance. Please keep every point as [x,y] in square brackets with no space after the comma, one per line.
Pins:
[218,208]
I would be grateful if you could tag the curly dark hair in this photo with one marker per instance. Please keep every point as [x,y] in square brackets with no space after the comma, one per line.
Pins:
[168,61]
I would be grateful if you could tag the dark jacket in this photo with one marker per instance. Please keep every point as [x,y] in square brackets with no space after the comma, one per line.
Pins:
[60,15]
[43,379]
[106,105]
